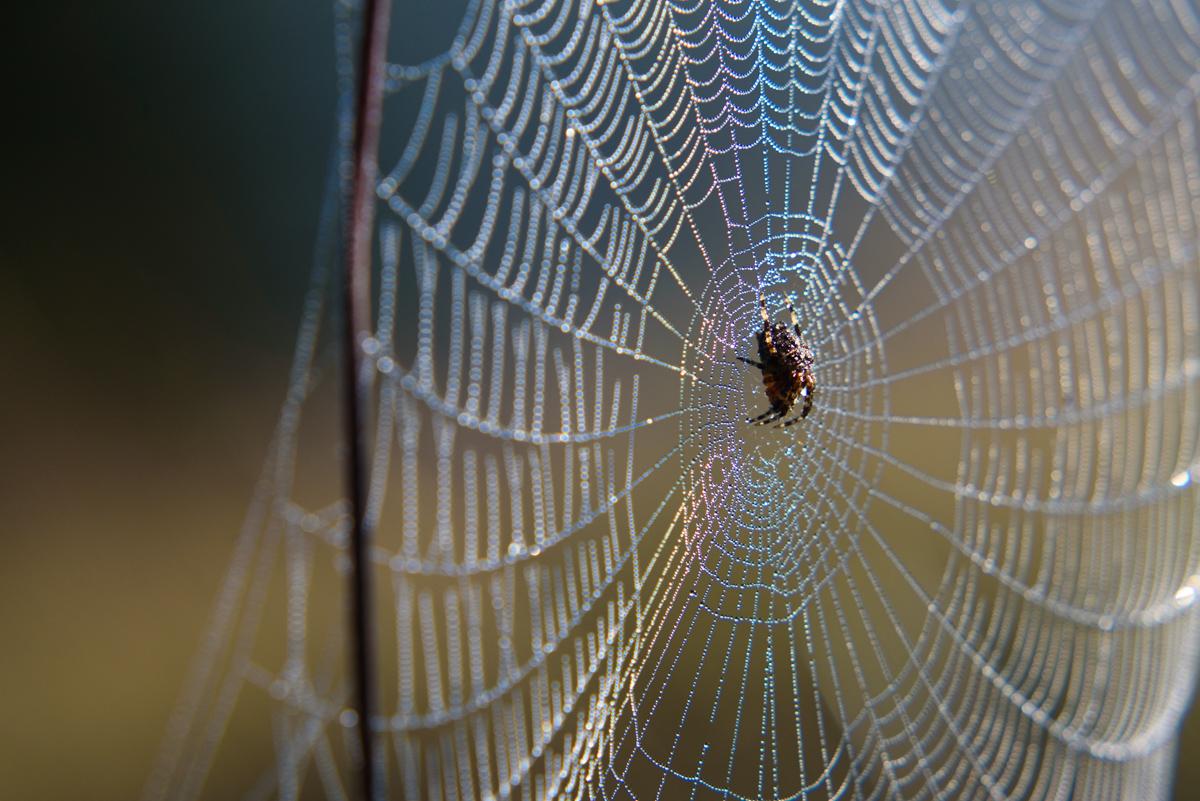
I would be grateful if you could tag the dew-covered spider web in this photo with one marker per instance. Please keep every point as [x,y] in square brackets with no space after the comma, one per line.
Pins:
[972,570]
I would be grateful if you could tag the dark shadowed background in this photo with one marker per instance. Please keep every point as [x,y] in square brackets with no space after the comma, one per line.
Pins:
[163,196]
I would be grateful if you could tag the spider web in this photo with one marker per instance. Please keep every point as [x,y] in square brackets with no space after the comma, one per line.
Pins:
[971,572]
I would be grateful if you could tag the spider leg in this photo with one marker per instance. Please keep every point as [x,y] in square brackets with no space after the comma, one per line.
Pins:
[807,392]
[792,311]
[799,333]
[762,418]
[765,336]
[750,362]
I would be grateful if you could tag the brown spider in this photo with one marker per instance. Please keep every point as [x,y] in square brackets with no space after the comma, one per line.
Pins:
[786,362]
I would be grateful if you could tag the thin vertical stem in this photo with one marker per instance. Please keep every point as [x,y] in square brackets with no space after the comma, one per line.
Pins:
[357,315]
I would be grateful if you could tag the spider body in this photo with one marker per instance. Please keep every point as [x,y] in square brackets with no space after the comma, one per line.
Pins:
[786,362]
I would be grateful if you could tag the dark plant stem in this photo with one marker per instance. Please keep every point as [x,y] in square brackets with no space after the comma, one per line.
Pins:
[357,316]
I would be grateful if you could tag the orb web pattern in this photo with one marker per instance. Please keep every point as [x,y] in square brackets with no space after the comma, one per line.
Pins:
[971,572]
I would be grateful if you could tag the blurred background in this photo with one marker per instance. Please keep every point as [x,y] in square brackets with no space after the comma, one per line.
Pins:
[167,180]
[164,197]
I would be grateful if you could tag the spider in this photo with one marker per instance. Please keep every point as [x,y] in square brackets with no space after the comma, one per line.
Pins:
[786,362]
